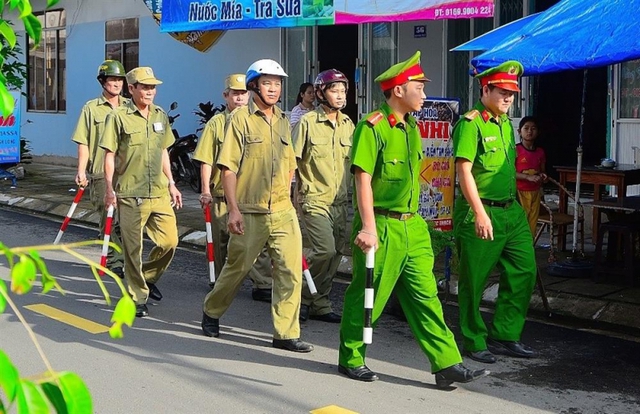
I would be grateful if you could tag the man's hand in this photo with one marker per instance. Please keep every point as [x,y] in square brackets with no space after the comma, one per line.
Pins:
[535,178]
[81,179]
[176,196]
[110,200]
[366,240]
[484,228]
[205,200]
[235,222]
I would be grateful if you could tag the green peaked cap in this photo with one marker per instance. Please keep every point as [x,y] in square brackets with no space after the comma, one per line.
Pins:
[402,72]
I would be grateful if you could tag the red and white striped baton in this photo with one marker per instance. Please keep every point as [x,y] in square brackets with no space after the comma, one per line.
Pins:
[367,331]
[210,256]
[107,237]
[307,275]
[67,219]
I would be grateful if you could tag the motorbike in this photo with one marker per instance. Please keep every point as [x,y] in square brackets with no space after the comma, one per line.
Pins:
[183,167]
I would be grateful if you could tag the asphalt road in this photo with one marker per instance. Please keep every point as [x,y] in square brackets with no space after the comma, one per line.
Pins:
[164,364]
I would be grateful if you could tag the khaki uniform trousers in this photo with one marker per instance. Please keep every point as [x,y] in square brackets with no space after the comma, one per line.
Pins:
[97,190]
[281,233]
[260,273]
[156,216]
[530,202]
[326,228]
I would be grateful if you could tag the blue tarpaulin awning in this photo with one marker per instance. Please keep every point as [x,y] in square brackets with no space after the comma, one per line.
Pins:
[495,36]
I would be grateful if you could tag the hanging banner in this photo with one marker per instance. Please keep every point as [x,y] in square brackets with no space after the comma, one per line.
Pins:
[189,15]
[10,133]
[437,175]
[197,39]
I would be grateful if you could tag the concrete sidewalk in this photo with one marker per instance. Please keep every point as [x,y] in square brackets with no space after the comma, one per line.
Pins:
[49,189]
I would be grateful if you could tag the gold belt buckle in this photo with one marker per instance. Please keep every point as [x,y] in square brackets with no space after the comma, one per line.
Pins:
[405,216]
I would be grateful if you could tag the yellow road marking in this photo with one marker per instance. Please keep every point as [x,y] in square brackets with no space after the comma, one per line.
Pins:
[332,409]
[68,318]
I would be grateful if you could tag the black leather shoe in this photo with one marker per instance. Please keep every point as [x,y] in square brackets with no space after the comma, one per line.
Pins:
[294,345]
[304,313]
[512,348]
[118,271]
[361,373]
[142,310]
[154,292]
[261,295]
[485,356]
[210,326]
[458,373]
[330,317]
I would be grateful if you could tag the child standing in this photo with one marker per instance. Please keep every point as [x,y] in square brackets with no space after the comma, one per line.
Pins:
[530,170]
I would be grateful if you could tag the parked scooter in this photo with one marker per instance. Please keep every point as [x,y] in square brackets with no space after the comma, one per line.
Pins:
[183,167]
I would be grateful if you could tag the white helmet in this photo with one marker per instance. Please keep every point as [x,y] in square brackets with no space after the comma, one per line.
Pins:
[264,67]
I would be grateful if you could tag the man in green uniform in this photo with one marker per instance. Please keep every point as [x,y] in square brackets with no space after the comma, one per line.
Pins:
[235,95]
[322,142]
[136,139]
[91,157]
[386,160]
[489,226]
[257,163]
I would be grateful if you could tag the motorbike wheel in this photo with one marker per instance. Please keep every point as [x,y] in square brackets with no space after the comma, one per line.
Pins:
[192,168]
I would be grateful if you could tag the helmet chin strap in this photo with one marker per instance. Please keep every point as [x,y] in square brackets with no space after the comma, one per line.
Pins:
[326,103]
[257,92]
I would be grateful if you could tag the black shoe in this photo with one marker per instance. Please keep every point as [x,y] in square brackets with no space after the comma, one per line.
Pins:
[154,292]
[119,271]
[512,348]
[304,313]
[485,356]
[330,317]
[458,373]
[295,345]
[210,326]
[261,295]
[361,373]
[142,310]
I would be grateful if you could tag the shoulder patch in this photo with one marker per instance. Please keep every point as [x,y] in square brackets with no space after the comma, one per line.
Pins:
[472,114]
[375,117]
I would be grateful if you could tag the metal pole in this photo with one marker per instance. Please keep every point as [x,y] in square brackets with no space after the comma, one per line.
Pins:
[574,246]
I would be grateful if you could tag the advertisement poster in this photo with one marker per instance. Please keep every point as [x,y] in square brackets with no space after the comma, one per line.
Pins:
[10,134]
[437,175]
[190,15]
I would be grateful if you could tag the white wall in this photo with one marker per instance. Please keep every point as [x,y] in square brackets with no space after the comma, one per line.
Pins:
[432,52]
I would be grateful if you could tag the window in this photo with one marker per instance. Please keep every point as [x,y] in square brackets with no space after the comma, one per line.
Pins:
[47,65]
[121,37]
[629,89]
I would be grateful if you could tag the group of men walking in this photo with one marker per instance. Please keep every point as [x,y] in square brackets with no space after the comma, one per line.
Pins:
[249,157]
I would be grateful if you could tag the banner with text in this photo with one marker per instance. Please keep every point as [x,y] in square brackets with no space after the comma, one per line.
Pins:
[10,134]
[437,175]
[190,15]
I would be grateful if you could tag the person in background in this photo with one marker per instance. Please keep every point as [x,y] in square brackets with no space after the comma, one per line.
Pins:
[304,103]
[530,170]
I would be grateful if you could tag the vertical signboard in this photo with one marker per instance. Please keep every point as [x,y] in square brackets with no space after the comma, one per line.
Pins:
[10,134]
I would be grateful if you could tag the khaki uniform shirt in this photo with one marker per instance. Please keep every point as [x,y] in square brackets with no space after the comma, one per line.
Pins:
[323,151]
[90,128]
[261,155]
[138,144]
[209,147]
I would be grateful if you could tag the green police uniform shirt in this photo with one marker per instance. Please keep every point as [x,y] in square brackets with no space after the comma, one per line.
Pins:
[209,147]
[138,144]
[489,143]
[390,150]
[323,151]
[261,155]
[90,128]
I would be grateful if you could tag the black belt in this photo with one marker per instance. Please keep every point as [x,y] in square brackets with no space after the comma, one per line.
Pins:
[492,203]
[393,214]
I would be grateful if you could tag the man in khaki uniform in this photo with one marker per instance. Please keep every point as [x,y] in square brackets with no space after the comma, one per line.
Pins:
[257,163]
[235,95]
[322,143]
[91,157]
[136,139]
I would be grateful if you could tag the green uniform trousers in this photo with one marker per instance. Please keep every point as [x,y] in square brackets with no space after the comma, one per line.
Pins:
[280,231]
[512,251]
[156,216]
[326,228]
[404,260]
[97,190]
[260,273]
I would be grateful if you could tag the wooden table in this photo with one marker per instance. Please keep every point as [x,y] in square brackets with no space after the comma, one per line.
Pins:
[622,176]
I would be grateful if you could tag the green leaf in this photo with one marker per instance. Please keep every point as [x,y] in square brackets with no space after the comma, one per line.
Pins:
[3,291]
[8,253]
[75,393]
[14,3]
[6,100]
[2,409]
[31,399]
[9,377]
[48,281]
[33,27]
[125,311]
[54,394]
[51,3]
[25,8]
[23,275]
[8,33]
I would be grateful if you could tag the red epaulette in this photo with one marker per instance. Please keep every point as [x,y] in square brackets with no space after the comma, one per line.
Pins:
[375,117]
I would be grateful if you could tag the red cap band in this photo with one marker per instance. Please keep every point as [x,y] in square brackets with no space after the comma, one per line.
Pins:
[413,73]
[502,80]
